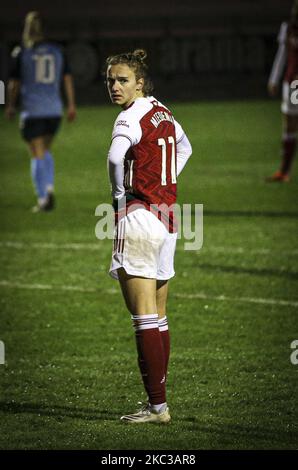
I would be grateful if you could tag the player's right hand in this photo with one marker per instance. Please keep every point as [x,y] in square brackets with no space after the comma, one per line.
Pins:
[71,113]
[272,89]
[10,112]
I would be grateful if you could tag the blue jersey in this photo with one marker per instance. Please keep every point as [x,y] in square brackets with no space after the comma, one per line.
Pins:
[40,70]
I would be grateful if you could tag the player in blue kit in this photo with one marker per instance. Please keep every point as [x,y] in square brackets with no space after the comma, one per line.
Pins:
[38,69]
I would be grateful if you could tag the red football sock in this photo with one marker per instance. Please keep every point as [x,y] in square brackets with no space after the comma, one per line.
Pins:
[150,357]
[165,338]
[288,152]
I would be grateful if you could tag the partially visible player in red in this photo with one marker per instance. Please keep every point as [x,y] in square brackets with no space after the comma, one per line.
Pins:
[286,58]
[148,151]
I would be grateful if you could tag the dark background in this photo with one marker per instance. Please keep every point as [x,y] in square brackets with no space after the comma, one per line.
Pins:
[204,49]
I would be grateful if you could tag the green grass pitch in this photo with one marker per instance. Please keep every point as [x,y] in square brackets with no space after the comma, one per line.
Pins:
[70,363]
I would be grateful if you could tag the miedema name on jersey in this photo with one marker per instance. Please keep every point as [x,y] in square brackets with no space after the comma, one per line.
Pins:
[160,116]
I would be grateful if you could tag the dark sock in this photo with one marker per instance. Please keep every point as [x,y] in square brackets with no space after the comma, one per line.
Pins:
[288,152]
[150,357]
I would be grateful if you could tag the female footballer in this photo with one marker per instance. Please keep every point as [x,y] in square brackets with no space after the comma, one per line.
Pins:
[148,151]
[287,57]
[38,68]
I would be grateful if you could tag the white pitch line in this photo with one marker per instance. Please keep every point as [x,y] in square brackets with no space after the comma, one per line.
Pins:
[198,295]
[98,246]
[241,250]
[18,285]
[253,300]
[50,246]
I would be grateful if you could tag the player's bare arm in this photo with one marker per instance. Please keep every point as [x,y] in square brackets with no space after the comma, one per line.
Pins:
[13,90]
[70,97]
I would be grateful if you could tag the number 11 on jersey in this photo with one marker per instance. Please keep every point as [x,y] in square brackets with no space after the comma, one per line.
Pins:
[162,142]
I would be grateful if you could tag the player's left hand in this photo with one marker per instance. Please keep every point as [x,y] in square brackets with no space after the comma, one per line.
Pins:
[272,89]
[71,113]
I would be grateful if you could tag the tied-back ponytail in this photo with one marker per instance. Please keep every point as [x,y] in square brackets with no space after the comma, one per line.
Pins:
[33,29]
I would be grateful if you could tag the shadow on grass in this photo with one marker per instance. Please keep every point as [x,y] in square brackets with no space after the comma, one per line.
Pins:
[222,435]
[58,411]
[244,435]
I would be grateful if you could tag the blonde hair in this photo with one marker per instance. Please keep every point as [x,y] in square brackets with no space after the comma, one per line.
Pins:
[136,61]
[33,30]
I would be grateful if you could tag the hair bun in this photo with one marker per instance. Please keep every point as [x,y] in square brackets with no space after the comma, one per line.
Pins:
[140,54]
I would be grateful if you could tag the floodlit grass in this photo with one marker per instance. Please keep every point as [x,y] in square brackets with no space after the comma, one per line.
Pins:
[71,367]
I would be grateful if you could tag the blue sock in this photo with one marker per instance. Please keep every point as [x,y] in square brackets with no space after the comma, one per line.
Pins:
[49,168]
[39,176]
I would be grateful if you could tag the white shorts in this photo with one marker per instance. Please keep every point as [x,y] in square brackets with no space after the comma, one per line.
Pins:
[287,107]
[143,247]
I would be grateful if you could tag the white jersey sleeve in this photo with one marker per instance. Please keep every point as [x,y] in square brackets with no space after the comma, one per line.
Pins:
[119,147]
[184,149]
[127,125]
[281,56]
[282,35]
[179,131]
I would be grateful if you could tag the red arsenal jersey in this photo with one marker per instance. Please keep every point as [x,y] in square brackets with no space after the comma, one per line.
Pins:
[150,163]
